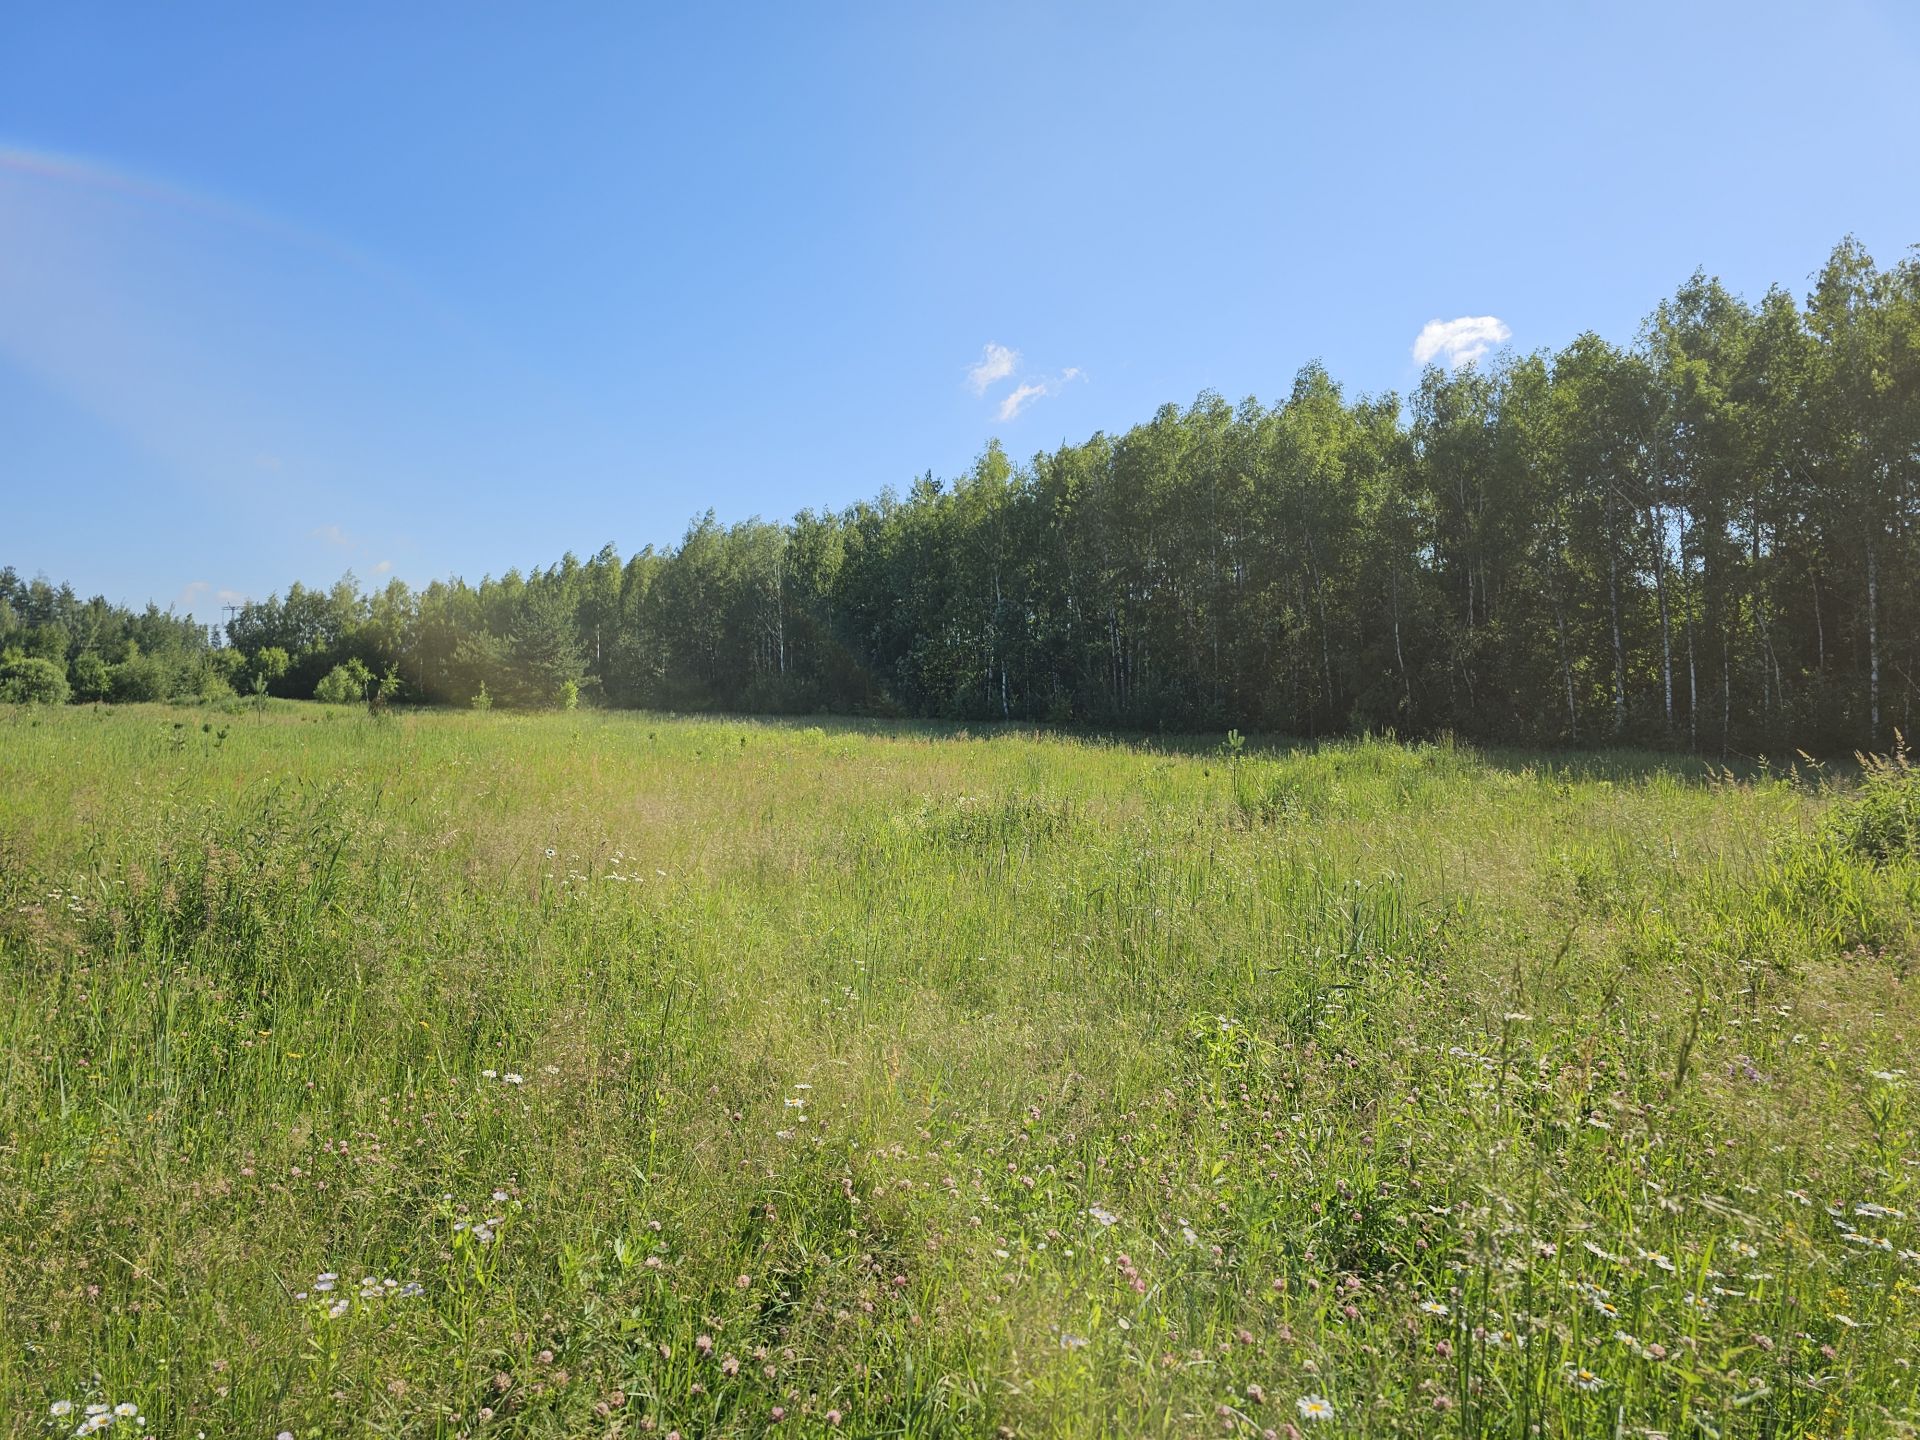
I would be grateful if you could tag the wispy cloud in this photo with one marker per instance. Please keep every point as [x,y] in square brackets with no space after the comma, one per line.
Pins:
[333,535]
[384,567]
[996,363]
[1459,342]
[196,590]
[1020,397]
[1028,391]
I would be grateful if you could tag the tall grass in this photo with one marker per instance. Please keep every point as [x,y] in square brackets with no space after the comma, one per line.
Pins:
[634,1075]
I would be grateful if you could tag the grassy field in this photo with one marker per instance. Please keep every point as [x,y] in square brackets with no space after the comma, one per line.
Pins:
[578,1075]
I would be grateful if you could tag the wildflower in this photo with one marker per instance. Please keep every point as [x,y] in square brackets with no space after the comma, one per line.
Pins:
[742,1282]
[338,1308]
[1434,1307]
[1847,1321]
[1105,1217]
[833,1417]
[1582,1378]
[491,1074]
[500,1196]
[1314,1407]
[61,1408]
[512,1079]
[1073,1342]
[126,1410]
[326,1282]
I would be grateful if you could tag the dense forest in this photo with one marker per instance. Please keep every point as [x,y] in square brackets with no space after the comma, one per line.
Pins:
[1705,539]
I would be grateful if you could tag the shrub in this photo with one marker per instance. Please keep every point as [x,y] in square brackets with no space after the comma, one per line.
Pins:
[92,680]
[140,677]
[345,684]
[267,665]
[1882,820]
[29,680]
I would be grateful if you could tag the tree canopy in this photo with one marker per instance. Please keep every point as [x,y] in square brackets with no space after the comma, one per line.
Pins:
[1706,538]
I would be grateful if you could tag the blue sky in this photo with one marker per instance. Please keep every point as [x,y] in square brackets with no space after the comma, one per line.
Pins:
[424,289]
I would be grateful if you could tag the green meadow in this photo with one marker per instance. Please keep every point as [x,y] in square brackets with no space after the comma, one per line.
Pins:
[590,1074]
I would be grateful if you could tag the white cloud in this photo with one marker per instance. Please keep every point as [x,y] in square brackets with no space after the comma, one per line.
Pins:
[333,535]
[1018,398]
[1027,391]
[996,364]
[232,597]
[192,591]
[1459,342]
[383,567]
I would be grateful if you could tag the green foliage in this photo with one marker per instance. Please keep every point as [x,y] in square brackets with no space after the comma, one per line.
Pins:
[141,678]
[30,680]
[90,640]
[266,666]
[92,679]
[345,684]
[1882,820]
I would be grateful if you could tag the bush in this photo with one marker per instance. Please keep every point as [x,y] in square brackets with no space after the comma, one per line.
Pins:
[345,684]
[140,677]
[92,680]
[267,666]
[1882,820]
[29,680]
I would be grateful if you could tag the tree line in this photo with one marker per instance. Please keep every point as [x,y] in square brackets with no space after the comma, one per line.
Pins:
[1705,538]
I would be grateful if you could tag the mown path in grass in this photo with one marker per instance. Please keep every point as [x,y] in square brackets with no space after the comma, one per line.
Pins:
[594,1074]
